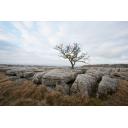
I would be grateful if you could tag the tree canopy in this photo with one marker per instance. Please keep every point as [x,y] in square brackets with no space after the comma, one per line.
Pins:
[72,53]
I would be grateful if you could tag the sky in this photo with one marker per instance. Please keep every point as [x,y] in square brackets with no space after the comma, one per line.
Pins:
[34,42]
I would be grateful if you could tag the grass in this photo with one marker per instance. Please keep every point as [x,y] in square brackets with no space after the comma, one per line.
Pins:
[120,97]
[28,94]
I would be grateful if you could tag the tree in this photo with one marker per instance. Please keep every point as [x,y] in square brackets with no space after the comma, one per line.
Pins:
[72,53]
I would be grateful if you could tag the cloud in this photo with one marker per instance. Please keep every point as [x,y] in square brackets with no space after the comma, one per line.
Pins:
[5,36]
[34,42]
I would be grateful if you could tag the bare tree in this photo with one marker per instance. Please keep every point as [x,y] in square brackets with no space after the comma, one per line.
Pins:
[72,53]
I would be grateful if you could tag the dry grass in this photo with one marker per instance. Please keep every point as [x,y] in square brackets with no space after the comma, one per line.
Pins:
[26,93]
[120,97]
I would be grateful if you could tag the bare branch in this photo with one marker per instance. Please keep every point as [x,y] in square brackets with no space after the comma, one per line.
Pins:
[71,52]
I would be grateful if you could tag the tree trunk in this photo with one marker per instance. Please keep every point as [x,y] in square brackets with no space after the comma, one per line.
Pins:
[72,65]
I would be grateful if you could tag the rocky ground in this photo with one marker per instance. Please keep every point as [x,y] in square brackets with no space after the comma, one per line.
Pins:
[86,85]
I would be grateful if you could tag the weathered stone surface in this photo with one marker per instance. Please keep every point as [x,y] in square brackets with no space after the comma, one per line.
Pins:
[123,69]
[107,86]
[20,73]
[120,75]
[3,69]
[37,78]
[97,75]
[28,74]
[115,70]
[57,75]
[85,85]
[11,72]
[79,71]
[103,71]
[14,72]
[82,70]
[108,65]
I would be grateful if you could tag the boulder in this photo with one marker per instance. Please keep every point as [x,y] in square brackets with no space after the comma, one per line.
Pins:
[123,69]
[58,75]
[78,71]
[85,85]
[3,69]
[24,73]
[120,75]
[20,73]
[81,70]
[107,86]
[11,72]
[103,71]
[91,70]
[28,75]
[15,72]
[96,74]
[115,70]
[37,78]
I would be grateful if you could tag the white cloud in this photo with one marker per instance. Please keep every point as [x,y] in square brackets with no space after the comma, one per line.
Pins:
[44,29]
[106,42]
[6,36]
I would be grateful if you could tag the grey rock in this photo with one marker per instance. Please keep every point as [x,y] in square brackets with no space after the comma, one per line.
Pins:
[28,74]
[85,85]
[123,69]
[107,86]
[120,75]
[97,75]
[105,71]
[108,65]
[101,70]
[11,72]
[20,72]
[14,72]
[3,69]
[37,78]
[58,75]
[115,70]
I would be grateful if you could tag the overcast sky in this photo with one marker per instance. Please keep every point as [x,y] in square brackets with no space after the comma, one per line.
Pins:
[34,42]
